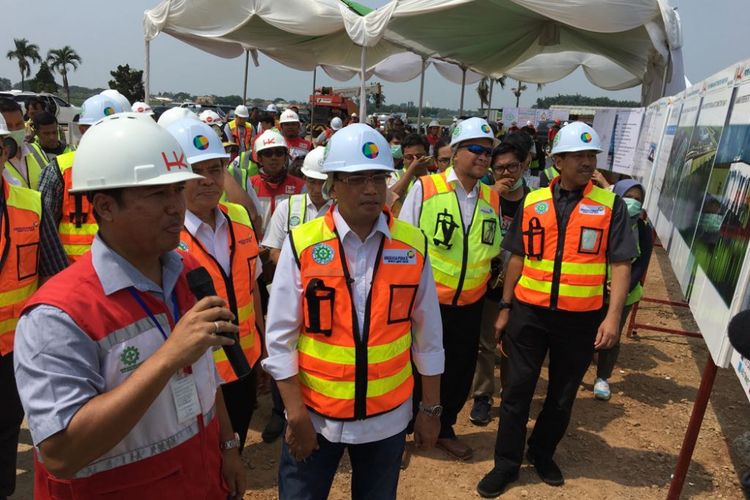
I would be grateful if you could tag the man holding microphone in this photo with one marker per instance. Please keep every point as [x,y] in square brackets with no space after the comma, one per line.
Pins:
[113,355]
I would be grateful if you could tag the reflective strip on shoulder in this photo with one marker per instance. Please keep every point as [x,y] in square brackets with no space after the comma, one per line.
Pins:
[537,195]
[65,161]
[25,198]
[603,196]
[238,214]
[408,234]
[310,233]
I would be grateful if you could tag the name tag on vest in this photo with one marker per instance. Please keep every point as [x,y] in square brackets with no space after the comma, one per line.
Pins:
[591,210]
[399,257]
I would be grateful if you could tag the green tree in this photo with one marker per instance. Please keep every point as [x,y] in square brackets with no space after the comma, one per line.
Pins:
[128,82]
[24,52]
[483,89]
[579,100]
[44,80]
[5,84]
[59,60]
[229,100]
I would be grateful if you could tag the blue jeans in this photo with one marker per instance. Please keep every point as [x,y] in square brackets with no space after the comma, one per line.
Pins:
[375,469]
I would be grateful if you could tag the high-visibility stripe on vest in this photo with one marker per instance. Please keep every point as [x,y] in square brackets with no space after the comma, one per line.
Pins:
[551,172]
[297,211]
[237,287]
[19,244]
[35,162]
[345,373]
[636,293]
[248,140]
[77,226]
[269,196]
[565,271]
[248,165]
[160,457]
[460,259]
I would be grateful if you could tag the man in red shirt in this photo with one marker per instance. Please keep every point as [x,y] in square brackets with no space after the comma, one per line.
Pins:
[273,183]
[290,129]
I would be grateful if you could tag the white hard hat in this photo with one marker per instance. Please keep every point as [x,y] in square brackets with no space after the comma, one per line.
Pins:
[120,99]
[97,107]
[313,164]
[241,111]
[3,126]
[198,140]
[354,115]
[174,114]
[473,128]
[128,150]
[358,147]
[271,108]
[210,117]
[289,116]
[271,138]
[336,123]
[576,136]
[528,124]
[434,123]
[142,107]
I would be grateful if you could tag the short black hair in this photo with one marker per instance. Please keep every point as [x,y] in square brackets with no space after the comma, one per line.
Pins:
[267,118]
[8,105]
[510,147]
[114,193]
[44,118]
[441,143]
[522,141]
[415,140]
[34,100]
[394,134]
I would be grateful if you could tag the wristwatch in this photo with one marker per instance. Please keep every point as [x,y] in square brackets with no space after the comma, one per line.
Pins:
[505,305]
[231,444]
[433,410]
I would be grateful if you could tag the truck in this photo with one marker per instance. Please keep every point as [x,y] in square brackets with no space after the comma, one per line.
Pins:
[328,102]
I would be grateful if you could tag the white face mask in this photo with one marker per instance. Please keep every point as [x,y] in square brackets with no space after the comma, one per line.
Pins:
[18,136]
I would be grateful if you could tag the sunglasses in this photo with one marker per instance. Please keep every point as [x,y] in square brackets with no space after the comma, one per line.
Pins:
[277,152]
[361,180]
[478,150]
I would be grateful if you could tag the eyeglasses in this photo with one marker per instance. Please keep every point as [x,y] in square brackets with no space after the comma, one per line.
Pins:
[360,180]
[512,167]
[277,152]
[478,150]
[444,159]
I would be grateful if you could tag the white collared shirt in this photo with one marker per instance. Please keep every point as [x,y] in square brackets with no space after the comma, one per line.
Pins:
[20,166]
[278,227]
[215,241]
[285,320]
[467,201]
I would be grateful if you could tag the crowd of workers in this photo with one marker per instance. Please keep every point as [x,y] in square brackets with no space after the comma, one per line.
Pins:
[370,278]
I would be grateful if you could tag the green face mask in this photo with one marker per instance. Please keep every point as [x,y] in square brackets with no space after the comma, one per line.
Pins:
[634,206]
[396,151]
[517,184]
[18,136]
[711,223]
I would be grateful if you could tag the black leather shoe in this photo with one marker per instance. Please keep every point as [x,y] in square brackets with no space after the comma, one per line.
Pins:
[480,411]
[494,483]
[547,469]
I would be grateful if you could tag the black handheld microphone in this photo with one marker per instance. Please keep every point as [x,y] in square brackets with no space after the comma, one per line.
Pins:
[739,333]
[202,285]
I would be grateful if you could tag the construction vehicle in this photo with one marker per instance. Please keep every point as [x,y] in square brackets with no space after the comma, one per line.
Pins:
[328,102]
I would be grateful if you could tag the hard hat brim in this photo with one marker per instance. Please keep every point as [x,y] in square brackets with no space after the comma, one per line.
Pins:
[575,149]
[206,156]
[161,180]
[321,176]
[362,167]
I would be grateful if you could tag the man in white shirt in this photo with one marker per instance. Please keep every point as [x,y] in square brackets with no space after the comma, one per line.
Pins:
[353,305]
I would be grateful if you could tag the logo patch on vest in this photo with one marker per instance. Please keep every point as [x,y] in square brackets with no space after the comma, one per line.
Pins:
[129,358]
[489,226]
[399,257]
[293,220]
[322,253]
[541,207]
[289,189]
[183,246]
[591,210]
[485,210]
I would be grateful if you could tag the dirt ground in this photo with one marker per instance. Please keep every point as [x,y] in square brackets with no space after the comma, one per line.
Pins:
[622,449]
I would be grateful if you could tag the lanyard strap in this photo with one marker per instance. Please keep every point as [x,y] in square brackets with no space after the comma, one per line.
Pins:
[147,310]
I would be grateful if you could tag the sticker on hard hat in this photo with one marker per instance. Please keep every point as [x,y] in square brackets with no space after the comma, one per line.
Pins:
[109,110]
[541,207]
[370,150]
[322,253]
[271,140]
[585,137]
[399,257]
[456,131]
[178,162]
[485,128]
[556,140]
[200,142]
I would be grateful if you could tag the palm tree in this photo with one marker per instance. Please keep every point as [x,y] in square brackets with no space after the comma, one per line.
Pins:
[483,89]
[59,60]
[24,51]
[518,90]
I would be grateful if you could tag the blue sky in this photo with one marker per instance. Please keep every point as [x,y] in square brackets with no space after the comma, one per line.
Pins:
[106,34]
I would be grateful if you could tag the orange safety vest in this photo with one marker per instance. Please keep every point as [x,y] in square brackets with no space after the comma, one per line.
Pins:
[345,373]
[19,244]
[237,287]
[565,271]
[77,226]
[248,141]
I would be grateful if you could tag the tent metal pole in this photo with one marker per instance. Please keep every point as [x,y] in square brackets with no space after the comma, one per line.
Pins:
[421,94]
[489,99]
[312,101]
[362,90]
[247,64]
[147,73]
[463,89]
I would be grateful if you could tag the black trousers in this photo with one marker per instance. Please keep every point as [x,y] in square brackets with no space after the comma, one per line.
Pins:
[11,417]
[533,332]
[240,397]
